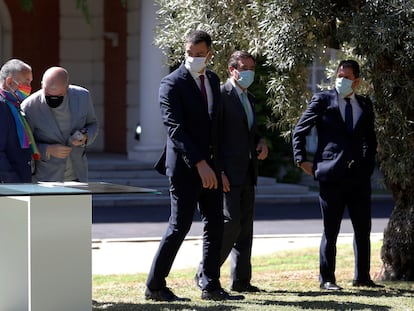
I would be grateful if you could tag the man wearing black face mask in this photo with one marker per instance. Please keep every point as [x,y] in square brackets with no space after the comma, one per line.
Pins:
[63,121]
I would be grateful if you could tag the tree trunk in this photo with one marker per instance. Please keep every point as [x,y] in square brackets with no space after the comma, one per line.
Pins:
[397,251]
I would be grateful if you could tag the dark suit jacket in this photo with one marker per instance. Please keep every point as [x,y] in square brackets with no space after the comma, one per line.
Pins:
[336,147]
[192,135]
[15,162]
[238,141]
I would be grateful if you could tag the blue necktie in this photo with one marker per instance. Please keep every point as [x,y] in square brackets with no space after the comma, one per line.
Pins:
[245,104]
[349,120]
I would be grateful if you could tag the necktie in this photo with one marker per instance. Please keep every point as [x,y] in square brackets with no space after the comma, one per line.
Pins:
[349,121]
[203,89]
[247,109]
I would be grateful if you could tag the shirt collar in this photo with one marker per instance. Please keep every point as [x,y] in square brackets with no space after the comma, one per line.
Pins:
[238,89]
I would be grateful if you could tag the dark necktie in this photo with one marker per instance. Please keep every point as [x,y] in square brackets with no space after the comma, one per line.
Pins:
[203,89]
[349,121]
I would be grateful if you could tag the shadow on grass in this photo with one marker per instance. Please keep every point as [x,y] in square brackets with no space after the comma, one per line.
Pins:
[383,292]
[151,306]
[327,305]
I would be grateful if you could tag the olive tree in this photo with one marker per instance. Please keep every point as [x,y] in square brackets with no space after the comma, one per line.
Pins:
[290,35]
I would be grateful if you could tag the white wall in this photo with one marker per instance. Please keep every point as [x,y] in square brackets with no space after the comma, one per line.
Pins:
[145,73]
[5,33]
[82,54]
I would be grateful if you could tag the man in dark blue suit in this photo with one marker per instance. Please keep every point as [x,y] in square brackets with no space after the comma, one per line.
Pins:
[189,99]
[343,164]
[242,147]
[15,152]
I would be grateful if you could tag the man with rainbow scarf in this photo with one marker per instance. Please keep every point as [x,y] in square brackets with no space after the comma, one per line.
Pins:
[17,146]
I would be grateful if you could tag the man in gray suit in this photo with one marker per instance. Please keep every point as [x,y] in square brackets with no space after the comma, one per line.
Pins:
[63,121]
[242,147]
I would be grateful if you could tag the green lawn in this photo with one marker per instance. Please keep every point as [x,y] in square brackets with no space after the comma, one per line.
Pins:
[290,279]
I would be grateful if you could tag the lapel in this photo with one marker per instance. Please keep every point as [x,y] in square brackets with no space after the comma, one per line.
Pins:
[74,107]
[361,103]
[192,86]
[334,106]
[236,101]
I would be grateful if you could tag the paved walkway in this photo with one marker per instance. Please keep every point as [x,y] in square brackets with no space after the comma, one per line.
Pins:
[135,255]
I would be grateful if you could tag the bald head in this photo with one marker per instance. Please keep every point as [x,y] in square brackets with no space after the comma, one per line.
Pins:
[55,81]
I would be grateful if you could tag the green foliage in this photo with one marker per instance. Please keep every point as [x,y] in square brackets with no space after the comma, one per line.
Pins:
[27,5]
[290,35]
[230,23]
[386,37]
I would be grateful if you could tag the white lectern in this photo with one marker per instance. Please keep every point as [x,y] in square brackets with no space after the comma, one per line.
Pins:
[45,245]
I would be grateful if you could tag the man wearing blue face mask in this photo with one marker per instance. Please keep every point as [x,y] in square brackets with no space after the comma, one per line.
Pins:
[242,147]
[343,164]
[63,121]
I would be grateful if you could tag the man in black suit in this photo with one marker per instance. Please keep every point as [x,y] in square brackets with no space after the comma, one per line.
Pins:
[241,147]
[189,99]
[343,164]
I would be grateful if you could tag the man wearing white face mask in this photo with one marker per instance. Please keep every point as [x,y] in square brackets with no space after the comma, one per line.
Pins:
[343,164]
[242,147]
[189,102]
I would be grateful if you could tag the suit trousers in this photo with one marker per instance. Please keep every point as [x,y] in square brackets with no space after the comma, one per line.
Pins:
[186,194]
[355,194]
[238,212]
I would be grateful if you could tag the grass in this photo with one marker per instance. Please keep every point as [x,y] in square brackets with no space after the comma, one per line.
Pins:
[289,278]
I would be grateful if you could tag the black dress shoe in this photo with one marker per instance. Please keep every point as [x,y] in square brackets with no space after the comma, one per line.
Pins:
[330,286]
[245,288]
[219,294]
[198,281]
[368,283]
[163,294]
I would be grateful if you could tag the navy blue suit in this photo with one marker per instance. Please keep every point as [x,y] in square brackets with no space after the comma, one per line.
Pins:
[192,136]
[240,166]
[343,165]
[15,162]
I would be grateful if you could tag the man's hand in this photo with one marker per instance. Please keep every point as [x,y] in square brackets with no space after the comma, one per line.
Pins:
[307,167]
[226,182]
[207,175]
[58,151]
[78,139]
[262,150]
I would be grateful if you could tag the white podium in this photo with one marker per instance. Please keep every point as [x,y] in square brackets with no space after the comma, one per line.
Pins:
[45,245]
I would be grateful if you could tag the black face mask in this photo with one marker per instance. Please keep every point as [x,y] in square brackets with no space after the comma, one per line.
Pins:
[54,101]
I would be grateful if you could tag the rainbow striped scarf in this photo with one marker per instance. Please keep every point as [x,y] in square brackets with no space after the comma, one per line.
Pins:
[24,133]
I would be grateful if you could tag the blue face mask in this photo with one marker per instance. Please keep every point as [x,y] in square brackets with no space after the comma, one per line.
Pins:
[246,78]
[343,86]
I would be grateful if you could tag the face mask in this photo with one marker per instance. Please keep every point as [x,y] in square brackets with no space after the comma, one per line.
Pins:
[343,86]
[54,101]
[195,64]
[22,91]
[246,78]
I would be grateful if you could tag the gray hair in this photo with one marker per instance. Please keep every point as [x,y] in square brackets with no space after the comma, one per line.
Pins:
[11,67]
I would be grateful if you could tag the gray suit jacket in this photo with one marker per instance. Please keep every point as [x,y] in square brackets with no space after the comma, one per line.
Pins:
[46,132]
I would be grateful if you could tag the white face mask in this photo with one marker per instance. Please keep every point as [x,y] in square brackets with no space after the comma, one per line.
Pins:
[343,86]
[195,64]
